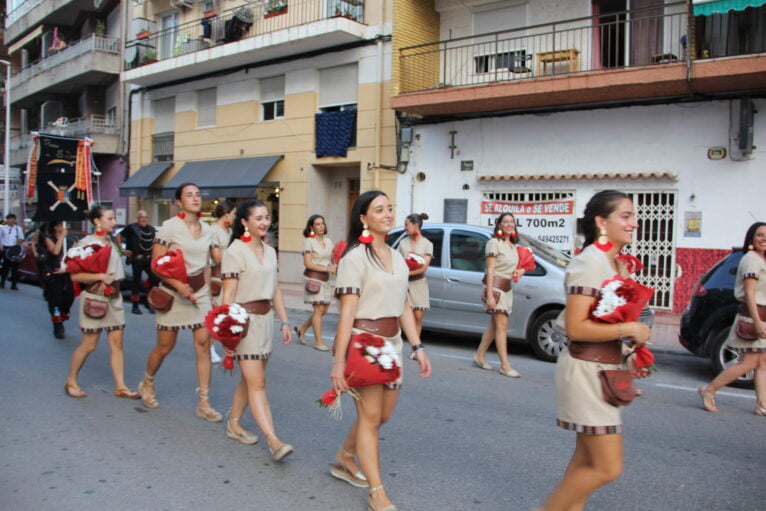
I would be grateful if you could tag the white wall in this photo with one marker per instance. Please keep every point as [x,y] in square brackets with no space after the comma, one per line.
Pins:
[665,138]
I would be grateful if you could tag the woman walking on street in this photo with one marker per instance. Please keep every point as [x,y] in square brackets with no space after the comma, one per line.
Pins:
[224,214]
[317,258]
[608,225]
[502,260]
[249,272]
[417,244]
[56,283]
[190,301]
[372,286]
[750,291]
[113,322]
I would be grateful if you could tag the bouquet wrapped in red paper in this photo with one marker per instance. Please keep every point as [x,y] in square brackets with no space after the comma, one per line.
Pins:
[228,325]
[90,258]
[631,262]
[526,260]
[337,251]
[370,360]
[173,266]
[414,261]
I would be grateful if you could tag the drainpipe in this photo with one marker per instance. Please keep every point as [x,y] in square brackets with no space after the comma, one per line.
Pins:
[379,99]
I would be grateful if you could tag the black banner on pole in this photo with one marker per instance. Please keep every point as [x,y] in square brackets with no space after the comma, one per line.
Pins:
[57,197]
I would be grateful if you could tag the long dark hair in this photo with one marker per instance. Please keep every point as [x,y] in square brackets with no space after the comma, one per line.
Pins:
[602,204]
[243,213]
[355,226]
[310,225]
[499,220]
[223,208]
[180,189]
[751,235]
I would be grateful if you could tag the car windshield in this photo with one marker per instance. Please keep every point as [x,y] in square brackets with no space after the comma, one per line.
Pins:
[547,252]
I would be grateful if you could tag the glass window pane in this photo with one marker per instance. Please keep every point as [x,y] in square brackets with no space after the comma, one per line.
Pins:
[467,251]
[435,236]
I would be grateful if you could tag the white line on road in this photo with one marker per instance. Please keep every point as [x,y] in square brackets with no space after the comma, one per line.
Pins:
[692,389]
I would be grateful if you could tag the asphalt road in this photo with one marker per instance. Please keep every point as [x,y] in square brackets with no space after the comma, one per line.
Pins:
[463,439]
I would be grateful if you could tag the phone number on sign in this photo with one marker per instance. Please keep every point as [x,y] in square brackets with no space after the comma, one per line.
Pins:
[548,238]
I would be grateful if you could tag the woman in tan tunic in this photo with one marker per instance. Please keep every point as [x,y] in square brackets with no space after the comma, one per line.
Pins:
[372,286]
[502,266]
[750,290]
[113,323]
[416,243]
[598,457]
[191,301]
[249,274]
[224,214]
[317,258]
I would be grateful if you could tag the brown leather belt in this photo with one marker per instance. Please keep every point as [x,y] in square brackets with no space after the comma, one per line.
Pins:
[609,352]
[324,276]
[259,307]
[386,327]
[500,283]
[197,282]
[417,277]
[215,272]
[744,311]
[98,288]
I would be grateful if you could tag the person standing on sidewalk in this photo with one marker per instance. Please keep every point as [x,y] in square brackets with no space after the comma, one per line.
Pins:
[11,236]
[317,291]
[224,214]
[190,301]
[139,238]
[249,272]
[56,283]
[750,291]
[113,321]
[416,243]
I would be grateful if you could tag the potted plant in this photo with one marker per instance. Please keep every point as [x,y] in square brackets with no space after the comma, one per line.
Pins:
[100,27]
[150,57]
[275,8]
[144,34]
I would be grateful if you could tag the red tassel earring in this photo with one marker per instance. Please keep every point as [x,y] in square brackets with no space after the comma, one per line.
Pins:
[246,236]
[365,237]
[181,215]
[226,224]
[603,242]
[100,231]
[414,235]
[199,214]
[499,233]
[311,234]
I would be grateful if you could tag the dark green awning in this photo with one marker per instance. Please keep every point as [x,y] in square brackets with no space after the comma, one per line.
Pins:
[139,183]
[235,177]
[706,8]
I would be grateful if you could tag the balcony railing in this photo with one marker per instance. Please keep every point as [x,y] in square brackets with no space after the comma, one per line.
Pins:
[82,126]
[93,43]
[624,39]
[162,146]
[235,24]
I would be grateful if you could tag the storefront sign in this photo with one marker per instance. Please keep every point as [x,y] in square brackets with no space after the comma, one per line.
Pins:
[551,222]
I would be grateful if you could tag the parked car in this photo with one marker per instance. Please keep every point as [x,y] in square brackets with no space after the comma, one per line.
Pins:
[454,283]
[28,265]
[706,322]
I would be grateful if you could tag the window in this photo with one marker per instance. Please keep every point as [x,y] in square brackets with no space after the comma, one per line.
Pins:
[467,251]
[206,107]
[272,98]
[164,111]
[435,236]
[338,85]
[169,38]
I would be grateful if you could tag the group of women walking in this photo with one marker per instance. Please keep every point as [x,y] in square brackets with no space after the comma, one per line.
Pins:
[379,293]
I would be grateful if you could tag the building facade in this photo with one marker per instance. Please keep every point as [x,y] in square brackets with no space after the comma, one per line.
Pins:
[534,106]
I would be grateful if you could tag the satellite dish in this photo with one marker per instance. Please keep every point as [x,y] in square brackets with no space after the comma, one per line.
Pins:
[131,53]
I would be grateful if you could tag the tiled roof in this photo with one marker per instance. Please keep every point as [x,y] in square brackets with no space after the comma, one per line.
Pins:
[564,177]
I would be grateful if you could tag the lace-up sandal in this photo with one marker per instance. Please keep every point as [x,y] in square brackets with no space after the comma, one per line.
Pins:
[246,437]
[339,471]
[760,411]
[301,337]
[281,452]
[206,412]
[149,399]
[371,506]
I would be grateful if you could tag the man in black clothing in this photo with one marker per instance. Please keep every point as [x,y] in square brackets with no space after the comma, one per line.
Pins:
[139,238]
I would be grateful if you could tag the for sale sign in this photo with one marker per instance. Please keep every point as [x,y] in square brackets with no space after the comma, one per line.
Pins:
[551,222]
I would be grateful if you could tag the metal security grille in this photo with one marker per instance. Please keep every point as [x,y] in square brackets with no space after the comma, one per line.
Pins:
[655,243]
[528,196]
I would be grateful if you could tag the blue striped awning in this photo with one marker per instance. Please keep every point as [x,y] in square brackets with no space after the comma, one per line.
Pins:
[708,7]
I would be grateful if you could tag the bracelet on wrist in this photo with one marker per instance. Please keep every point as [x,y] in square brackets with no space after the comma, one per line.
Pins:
[415,349]
[338,362]
[284,323]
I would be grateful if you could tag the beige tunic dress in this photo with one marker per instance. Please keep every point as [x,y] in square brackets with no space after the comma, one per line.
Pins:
[183,314]
[381,294]
[580,405]
[115,314]
[751,266]
[320,255]
[417,291]
[506,261]
[257,281]
[221,239]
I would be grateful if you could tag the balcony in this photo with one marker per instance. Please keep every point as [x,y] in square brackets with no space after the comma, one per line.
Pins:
[245,35]
[30,13]
[94,60]
[643,54]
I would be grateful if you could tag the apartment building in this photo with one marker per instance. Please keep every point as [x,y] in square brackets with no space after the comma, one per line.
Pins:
[532,106]
[283,101]
[66,67]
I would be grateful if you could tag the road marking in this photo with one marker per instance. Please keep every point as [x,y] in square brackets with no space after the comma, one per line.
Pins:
[692,389]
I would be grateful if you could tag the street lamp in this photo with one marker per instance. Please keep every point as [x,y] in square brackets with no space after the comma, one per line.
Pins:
[7,155]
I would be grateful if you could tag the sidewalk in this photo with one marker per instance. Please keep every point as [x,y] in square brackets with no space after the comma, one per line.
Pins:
[664,335]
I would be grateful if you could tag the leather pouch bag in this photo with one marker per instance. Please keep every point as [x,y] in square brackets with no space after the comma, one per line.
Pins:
[617,386]
[94,308]
[745,329]
[159,300]
[484,295]
[312,286]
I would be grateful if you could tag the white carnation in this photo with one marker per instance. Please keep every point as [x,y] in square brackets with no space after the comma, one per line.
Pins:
[609,300]
[372,350]
[236,329]
[386,361]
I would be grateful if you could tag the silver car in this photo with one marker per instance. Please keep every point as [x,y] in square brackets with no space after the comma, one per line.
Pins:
[454,283]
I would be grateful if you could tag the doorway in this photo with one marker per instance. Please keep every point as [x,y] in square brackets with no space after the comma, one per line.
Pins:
[609,36]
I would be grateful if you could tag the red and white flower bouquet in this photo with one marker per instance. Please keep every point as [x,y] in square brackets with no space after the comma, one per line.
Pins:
[526,260]
[371,360]
[173,266]
[90,258]
[228,324]
[414,261]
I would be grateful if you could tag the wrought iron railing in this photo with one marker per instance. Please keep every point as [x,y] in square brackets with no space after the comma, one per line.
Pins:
[162,146]
[250,20]
[92,43]
[76,128]
[630,38]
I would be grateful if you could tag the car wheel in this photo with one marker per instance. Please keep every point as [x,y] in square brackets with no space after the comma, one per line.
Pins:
[723,356]
[546,340]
